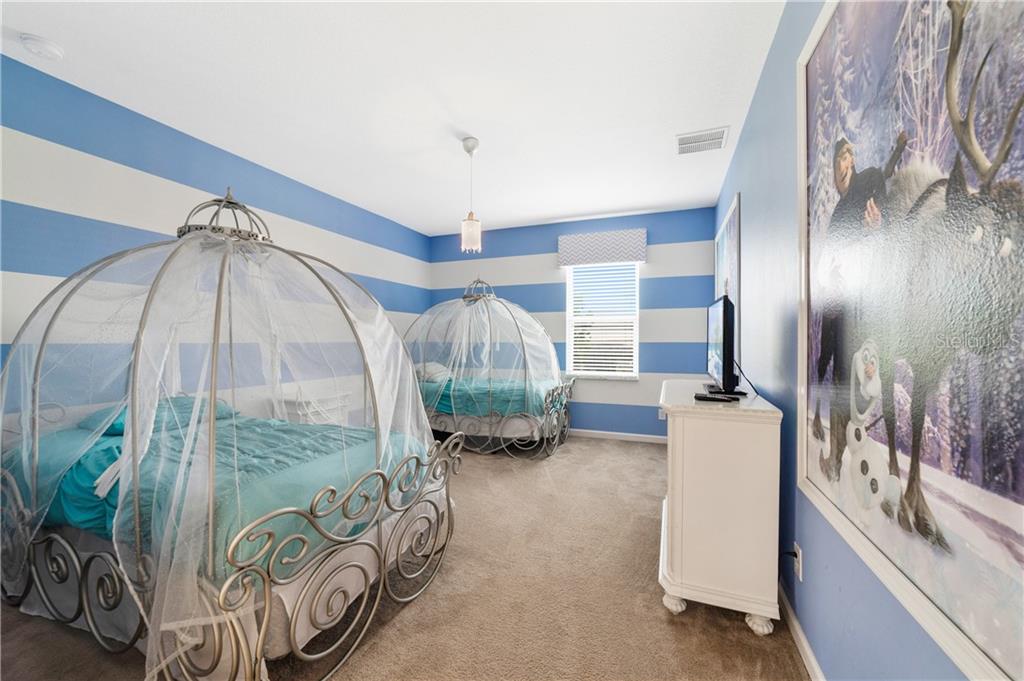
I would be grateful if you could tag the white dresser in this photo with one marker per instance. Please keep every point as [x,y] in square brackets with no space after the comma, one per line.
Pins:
[720,517]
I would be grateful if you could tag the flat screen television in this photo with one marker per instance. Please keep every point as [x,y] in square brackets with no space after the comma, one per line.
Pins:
[721,335]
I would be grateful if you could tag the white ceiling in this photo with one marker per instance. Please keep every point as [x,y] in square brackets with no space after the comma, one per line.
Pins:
[576,105]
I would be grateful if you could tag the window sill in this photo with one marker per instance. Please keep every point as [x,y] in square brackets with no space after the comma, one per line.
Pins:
[634,378]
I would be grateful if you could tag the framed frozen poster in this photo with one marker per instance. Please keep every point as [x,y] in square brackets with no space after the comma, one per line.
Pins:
[911,412]
[727,264]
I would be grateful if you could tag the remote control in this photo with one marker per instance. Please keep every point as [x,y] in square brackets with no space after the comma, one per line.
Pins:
[703,397]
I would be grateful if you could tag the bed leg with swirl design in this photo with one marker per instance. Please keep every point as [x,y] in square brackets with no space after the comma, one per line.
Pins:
[59,575]
[337,549]
[555,428]
[16,540]
[53,567]
[109,588]
[420,538]
[60,563]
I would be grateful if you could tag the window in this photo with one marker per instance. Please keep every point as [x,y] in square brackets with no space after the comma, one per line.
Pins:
[602,320]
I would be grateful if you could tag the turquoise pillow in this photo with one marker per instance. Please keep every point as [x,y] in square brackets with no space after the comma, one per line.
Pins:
[175,410]
[93,421]
[169,412]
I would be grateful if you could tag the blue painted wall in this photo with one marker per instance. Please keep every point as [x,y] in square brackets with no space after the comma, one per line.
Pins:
[857,629]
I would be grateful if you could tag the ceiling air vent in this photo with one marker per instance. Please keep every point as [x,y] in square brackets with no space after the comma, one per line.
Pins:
[702,140]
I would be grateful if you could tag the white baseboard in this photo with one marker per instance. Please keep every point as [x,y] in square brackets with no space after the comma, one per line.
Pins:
[803,646]
[609,435]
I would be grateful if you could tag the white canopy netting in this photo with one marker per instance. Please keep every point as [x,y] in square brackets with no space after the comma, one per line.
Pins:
[487,368]
[220,419]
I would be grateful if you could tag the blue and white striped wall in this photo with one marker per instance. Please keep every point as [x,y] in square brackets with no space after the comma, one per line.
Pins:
[84,177]
[676,285]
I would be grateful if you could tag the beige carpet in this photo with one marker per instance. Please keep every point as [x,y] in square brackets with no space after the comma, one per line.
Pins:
[552,574]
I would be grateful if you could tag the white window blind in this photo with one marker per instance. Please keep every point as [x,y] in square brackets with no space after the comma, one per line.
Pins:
[602,320]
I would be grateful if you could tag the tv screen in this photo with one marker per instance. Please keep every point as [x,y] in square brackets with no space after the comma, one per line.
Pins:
[720,343]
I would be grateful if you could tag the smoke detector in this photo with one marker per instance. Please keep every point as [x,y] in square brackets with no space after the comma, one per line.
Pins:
[702,140]
[41,47]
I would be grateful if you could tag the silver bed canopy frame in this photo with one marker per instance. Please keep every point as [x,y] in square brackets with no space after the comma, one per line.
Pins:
[530,428]
[398,521]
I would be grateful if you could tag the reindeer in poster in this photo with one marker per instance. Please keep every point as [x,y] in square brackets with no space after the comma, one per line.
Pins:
[937,267]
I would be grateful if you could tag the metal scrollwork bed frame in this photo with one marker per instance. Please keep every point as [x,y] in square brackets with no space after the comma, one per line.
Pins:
[388,532]
[491,434]
[401,562]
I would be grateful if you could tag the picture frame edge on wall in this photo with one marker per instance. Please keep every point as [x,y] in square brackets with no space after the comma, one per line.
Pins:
[960,648]
[734,208]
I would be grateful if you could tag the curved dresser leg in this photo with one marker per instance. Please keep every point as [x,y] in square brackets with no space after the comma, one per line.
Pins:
[760,625]
[674,604]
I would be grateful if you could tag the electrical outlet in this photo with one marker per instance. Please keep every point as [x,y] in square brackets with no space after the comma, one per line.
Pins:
[661,414]
[798,562]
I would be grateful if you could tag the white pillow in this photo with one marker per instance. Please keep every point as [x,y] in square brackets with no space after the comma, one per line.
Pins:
[432,371]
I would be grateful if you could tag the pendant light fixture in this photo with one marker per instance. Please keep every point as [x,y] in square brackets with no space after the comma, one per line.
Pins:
[470,225]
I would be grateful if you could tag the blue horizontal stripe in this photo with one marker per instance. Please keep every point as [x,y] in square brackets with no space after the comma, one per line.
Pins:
[532,297]
[655,293]
[395,296]
[41,105]
[667,292]
[673,358]
[616,418]
[662,358]
[40,241]
[662,228]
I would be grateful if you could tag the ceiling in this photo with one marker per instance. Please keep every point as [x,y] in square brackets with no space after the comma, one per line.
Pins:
[576,105]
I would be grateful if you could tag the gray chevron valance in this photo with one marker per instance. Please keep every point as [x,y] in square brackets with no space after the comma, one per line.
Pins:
[624,245]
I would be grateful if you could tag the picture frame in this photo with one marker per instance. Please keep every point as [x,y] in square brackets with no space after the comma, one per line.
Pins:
[727,265]
[962,650]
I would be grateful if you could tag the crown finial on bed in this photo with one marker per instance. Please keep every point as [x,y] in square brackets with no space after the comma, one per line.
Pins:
[477,289]
[250,227]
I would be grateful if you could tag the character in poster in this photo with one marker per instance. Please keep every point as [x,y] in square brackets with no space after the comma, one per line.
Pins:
[862,196]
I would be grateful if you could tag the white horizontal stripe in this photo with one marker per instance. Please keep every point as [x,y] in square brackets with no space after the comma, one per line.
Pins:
[518,269]
[688,259]
[672,325]
[47,175]
[693,258]
[402,321]
[21,294]
[644,392]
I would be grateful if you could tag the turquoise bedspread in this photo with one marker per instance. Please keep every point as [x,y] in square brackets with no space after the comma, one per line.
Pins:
[469,396]
[279,464]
